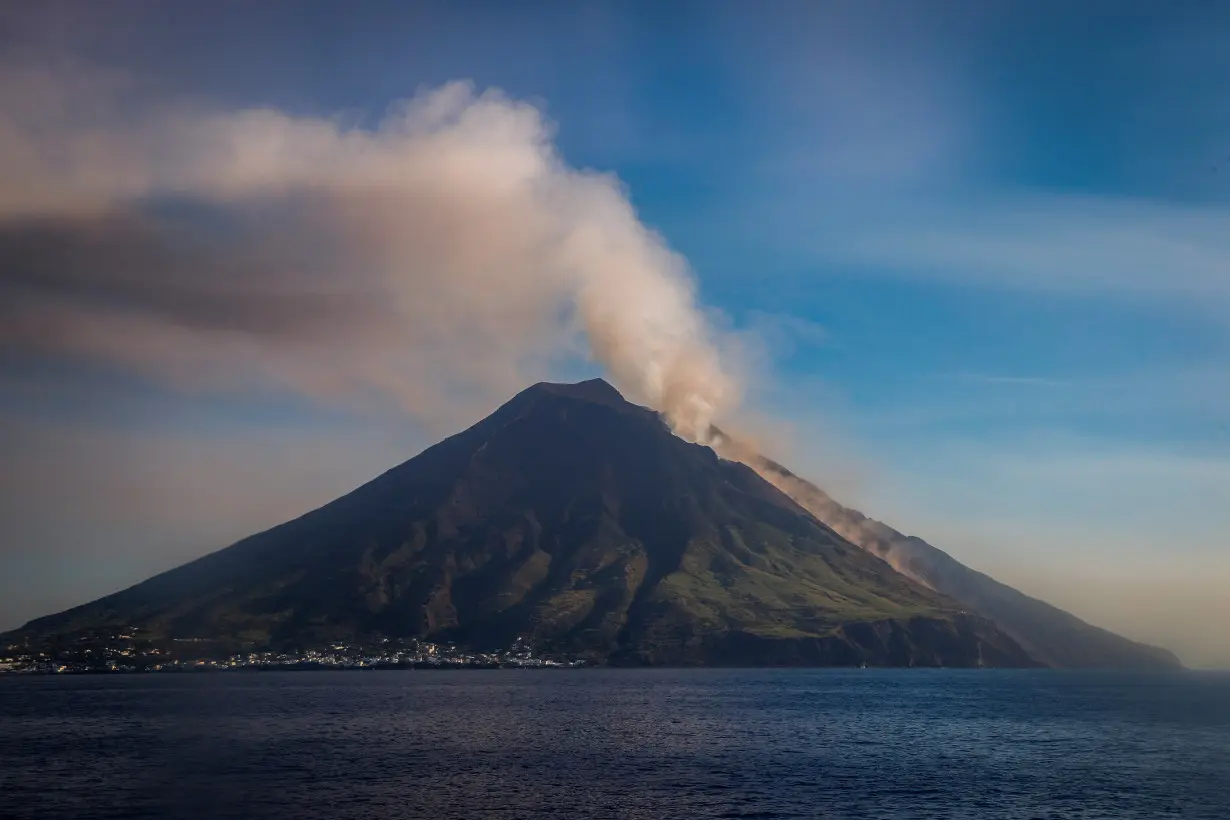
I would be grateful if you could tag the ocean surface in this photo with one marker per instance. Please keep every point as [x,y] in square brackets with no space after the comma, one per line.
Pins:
[915,743]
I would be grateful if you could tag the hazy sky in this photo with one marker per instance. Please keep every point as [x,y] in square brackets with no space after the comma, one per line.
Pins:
[981,253]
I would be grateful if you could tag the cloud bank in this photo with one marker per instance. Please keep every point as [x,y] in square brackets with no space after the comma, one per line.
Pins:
[441,259]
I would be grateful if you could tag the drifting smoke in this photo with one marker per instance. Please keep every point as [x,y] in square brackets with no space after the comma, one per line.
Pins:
[867,533]
[443,258]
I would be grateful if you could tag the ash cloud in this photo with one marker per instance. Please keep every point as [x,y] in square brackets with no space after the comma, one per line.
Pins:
[441,259]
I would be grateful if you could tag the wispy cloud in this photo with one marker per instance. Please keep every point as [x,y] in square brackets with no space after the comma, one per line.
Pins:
[1159,404]
[1006,380]
[785,334]
[1136,249]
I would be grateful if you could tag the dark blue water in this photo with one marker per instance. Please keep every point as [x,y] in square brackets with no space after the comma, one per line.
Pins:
[611,743]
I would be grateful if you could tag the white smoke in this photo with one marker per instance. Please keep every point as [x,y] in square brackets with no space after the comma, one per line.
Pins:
[443,258]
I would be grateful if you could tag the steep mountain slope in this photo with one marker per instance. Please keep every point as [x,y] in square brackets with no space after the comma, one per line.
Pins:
[576,519]
[1050,635]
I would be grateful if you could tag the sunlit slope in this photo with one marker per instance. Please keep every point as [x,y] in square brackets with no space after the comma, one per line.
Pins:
[1050,635]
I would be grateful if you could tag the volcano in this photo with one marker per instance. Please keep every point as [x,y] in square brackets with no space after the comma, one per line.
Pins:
[577,521]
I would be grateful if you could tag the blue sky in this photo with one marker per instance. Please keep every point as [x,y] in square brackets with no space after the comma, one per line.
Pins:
[988,246]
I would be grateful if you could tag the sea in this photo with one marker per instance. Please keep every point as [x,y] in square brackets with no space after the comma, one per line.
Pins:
[618,743]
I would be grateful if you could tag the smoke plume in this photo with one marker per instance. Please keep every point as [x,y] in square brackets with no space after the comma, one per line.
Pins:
[441,258]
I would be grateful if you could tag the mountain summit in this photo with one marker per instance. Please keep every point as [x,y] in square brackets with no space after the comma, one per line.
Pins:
[574,519]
